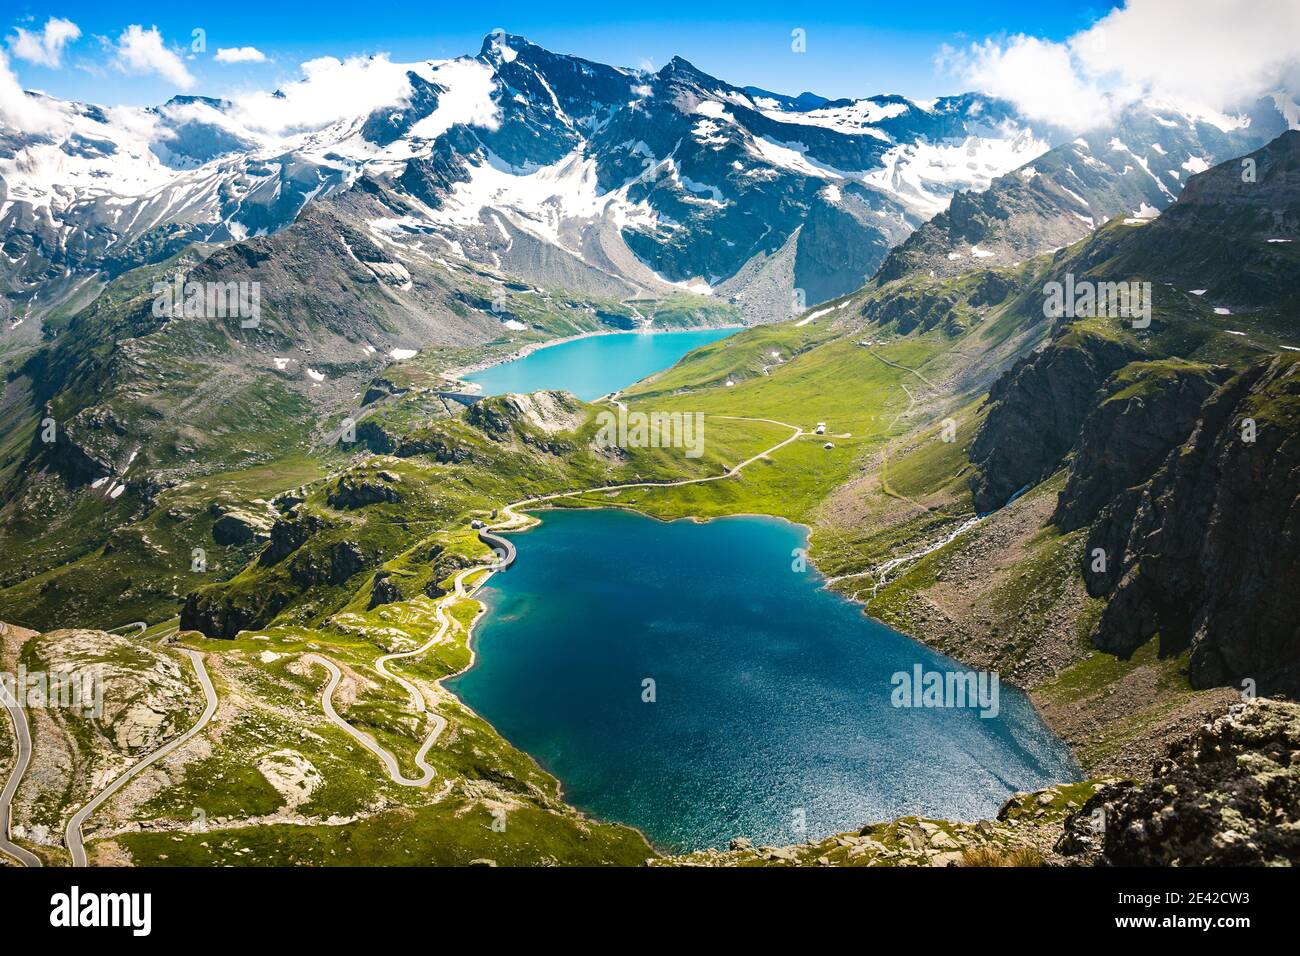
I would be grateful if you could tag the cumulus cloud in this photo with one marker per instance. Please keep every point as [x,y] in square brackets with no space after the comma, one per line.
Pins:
[1205,56]
[29,113]
[330,89]
[44,47]
[1039,76]
[142,51]
[240,54]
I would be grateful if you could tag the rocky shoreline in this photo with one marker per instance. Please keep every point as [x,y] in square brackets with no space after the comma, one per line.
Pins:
[1221,796]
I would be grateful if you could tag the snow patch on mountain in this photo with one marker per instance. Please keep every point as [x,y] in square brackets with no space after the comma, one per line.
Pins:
[792,156]
[924,175]
[857,118]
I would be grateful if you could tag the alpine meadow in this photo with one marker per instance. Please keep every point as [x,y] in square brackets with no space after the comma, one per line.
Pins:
[430,444]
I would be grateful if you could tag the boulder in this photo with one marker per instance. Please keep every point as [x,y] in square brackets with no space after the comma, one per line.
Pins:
[358,491]
[1228,795]
[238,526]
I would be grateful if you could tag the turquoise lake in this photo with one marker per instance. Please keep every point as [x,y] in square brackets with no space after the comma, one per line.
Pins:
[594,366]
[773,716]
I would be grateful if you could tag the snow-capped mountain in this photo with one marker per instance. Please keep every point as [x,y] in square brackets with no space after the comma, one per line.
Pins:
[106,190]
[1132,168]
[565,172]
[648,180]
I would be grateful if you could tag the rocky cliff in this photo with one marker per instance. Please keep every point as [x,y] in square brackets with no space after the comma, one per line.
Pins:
[1037,409]
[1207,552]
[1152,406]
[1227,796]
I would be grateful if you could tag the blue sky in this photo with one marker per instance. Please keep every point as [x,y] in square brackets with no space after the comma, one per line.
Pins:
[853,48]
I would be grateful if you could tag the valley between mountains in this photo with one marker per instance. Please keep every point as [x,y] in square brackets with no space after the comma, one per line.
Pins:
[300,514]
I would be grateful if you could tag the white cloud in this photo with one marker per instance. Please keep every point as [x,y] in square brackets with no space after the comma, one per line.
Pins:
[1038,76]
[1205,56]
[31,114]
[240,54]
[330,90]
[142,51]
[44,48]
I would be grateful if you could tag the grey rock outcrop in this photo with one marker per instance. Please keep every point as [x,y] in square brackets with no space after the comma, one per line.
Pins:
[236,526]
[1038,407]
[1227,796]
[353,491]
[1207,553]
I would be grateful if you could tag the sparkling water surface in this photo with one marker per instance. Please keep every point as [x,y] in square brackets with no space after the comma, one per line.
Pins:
[773,716]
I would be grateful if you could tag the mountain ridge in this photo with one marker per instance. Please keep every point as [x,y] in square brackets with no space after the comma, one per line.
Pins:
[201,173]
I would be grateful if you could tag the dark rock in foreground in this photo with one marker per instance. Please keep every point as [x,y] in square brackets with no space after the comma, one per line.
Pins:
[1229,795]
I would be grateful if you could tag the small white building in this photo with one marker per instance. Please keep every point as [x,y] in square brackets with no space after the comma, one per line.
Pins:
[821,428]
[829,445]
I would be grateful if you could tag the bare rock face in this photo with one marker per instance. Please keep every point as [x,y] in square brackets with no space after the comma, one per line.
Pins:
[1125,439]
[535,419]
[432,444]
[216,612]
[353,491]
[1229,795]
[292,775]
[1037,409]
[85,447]
[547,412]
[384,590]
[240,526]
[331,565]
[145,693]
[288,535]
[1207,553]
[838,249]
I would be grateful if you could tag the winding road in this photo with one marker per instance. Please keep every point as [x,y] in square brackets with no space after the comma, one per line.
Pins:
[140,626]
[427,773]
[506,552]
[23,736]
[73,837]
[797,434]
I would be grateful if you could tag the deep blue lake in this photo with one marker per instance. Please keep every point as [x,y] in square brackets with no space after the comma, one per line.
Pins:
[773,696]
[594,366]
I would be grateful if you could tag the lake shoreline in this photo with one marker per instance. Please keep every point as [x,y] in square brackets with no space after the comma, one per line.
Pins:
[458,374]
[666,844]
[671,842]
[470,646]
